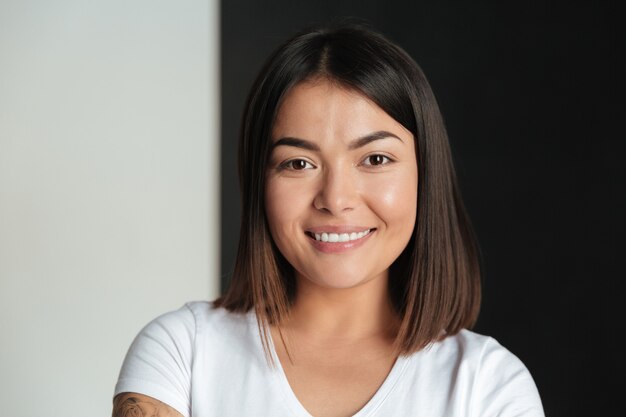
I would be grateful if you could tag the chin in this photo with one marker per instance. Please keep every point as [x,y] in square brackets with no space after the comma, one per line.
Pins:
[340,280]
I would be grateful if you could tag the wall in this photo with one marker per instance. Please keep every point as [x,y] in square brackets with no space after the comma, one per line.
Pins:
[109,177]
[528,93]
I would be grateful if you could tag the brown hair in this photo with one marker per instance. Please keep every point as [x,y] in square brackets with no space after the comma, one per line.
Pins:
[435,283]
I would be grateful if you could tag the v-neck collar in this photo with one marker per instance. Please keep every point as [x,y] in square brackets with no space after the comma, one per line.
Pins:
[296,407]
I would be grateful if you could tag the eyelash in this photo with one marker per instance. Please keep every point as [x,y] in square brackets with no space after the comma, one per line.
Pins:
[289,164]
[366,162]
[384,157]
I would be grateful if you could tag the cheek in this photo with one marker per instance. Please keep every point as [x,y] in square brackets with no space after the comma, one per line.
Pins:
[395,200]
[274,209]
[283,204]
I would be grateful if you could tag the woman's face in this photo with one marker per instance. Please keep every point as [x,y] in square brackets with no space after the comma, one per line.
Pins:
[341,185]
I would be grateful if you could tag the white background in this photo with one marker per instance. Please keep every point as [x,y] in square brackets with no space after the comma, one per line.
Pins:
[108,188]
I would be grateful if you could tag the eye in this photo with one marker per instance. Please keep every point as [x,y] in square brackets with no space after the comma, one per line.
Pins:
[297,165]
[377,159]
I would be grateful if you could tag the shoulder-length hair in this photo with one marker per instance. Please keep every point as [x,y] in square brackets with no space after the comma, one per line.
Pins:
[434,285]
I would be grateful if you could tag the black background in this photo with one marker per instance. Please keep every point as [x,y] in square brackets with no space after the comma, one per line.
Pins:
[529,95]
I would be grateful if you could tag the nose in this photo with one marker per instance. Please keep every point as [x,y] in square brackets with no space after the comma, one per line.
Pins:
[337,192]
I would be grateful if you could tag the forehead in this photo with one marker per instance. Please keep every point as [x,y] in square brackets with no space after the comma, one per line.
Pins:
[320,107]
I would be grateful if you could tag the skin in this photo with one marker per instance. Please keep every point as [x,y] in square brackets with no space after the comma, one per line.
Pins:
[339,184]
[342,317]
[137,405]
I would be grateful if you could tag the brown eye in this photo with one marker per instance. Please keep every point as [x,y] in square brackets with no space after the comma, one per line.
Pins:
[297,165]
[374,160]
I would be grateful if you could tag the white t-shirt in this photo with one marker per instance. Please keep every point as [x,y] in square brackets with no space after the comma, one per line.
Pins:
[208,362]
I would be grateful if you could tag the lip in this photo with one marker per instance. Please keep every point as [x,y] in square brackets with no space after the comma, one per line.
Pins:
[338,247]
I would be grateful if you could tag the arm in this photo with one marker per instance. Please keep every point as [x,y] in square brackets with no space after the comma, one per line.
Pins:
[505,388]
[129,404]
[158,365]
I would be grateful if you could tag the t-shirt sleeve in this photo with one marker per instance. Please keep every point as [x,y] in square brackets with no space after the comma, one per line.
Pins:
[158,362]
[504,386]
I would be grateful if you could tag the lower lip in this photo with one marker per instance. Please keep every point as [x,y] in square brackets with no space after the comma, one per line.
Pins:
[339,247]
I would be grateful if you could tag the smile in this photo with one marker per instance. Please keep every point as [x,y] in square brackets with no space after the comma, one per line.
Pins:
[339,237]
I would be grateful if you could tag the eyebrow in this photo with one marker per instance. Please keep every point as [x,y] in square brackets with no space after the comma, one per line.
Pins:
[355,144]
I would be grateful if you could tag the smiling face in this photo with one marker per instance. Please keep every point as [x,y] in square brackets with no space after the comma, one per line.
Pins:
[341,185]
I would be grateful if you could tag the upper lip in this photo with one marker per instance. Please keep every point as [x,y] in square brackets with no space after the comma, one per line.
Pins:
[338,229]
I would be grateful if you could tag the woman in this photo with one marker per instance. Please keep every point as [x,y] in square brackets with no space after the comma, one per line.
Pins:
[357,272]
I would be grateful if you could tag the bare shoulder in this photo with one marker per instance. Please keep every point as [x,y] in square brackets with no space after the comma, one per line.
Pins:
[129,404]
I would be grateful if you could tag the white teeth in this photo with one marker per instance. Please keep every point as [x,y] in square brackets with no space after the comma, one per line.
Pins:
[340,237]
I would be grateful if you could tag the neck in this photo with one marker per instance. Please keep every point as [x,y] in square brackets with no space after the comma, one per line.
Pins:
[343,314]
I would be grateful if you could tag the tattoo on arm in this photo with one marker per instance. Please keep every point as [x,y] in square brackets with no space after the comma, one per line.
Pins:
[137,405]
